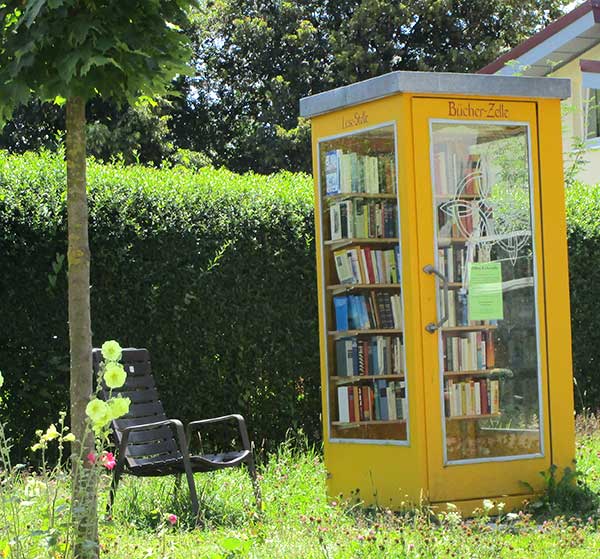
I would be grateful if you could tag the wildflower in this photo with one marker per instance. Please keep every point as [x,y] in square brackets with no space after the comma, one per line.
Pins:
[114,375]
[91,458]
[51,433]
[69,438]
[488,505]
[1,379]
[108,460]
[111,350]
[37,446]
[512,516]
[97,411]
[34,487]
[118,407]
[172,518]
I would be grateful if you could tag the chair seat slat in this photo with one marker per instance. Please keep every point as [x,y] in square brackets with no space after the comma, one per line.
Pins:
[152,449]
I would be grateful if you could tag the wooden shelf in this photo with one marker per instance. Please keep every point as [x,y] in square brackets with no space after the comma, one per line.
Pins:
[447,197]
[339,243]
[447,241]
[370,195]
[476,328]
[372,332]
[355,378]
[479,373]
[472,417]
[342,287]
[375,422]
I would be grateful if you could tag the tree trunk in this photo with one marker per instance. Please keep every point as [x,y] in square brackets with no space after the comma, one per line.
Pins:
[80,334]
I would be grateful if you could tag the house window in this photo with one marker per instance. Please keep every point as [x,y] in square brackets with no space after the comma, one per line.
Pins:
[593,114]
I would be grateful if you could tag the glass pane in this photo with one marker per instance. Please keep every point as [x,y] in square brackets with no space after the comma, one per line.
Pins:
[362,257]
[593,114]
[489,349]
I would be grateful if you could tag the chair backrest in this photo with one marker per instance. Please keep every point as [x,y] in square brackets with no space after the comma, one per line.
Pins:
[147,446]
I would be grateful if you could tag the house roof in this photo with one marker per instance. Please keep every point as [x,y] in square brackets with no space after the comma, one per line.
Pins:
[563,40]
[433,82]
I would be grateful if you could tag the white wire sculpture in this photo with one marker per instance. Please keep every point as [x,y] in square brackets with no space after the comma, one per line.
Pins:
[500,215]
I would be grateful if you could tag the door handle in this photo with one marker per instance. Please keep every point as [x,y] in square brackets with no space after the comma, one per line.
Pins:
[433,326]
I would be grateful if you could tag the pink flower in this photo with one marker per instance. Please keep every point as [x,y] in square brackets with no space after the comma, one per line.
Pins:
[108,460]
[91,458]
[172,518]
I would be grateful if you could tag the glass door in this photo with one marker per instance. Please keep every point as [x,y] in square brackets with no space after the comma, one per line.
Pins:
[481,284]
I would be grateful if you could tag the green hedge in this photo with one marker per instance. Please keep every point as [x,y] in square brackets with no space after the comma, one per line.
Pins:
[583,222]
[212,271]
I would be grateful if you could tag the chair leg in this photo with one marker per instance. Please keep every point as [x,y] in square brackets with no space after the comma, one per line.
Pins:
[255,485]
[192,487]
[114,484]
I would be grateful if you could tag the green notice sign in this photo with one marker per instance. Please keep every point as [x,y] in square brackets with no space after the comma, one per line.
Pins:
[485,291]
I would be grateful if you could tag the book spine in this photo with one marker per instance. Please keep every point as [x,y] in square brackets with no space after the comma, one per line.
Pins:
[341,312]
[343,404]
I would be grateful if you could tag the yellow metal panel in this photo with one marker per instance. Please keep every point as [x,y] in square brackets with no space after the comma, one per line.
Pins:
[476,480]
[385,474]
[557,285]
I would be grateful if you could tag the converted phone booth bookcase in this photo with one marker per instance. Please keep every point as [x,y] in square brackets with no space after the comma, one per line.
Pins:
[443,287]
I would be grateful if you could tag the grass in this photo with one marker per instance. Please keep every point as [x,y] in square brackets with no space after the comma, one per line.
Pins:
[299,522]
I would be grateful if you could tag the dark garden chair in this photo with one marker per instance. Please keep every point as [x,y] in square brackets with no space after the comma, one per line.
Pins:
[150,444]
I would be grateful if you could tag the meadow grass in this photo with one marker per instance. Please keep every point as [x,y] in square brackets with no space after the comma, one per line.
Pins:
[298,520]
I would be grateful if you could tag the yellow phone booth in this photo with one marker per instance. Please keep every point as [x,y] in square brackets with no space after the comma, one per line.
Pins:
[443,287]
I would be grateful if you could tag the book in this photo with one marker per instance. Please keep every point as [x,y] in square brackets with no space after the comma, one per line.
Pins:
[335,221]
[332,171]
[343,404]
[341,358]
[343,267]
[341,304]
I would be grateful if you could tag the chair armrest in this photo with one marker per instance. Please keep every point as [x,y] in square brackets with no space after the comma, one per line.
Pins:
[241,422]
[180,434]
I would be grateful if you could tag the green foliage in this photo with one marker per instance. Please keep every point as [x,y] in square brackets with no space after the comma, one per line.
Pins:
[255,60]
[299,522]
[59,49]
[583,221]
[213,272]
[564,494]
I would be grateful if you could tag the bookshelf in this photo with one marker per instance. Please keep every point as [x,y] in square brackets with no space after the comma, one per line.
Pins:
[361,249]
[442,288]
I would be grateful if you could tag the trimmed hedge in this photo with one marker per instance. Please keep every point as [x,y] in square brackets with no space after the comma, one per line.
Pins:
[583,223]
[212,271]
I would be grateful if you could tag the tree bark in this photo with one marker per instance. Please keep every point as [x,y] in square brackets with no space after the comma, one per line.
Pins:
[80,334]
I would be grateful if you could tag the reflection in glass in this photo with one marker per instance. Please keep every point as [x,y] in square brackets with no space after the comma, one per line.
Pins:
[489,348]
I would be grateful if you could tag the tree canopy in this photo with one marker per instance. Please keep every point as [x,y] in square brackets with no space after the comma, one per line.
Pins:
[255,59]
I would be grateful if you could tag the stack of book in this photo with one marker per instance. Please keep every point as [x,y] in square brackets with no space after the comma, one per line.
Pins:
[364,312]
[363,219]
[455,171]
[366,265]
[352,172]
[469,352]
[384,401]
[375,355]
[472,398]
